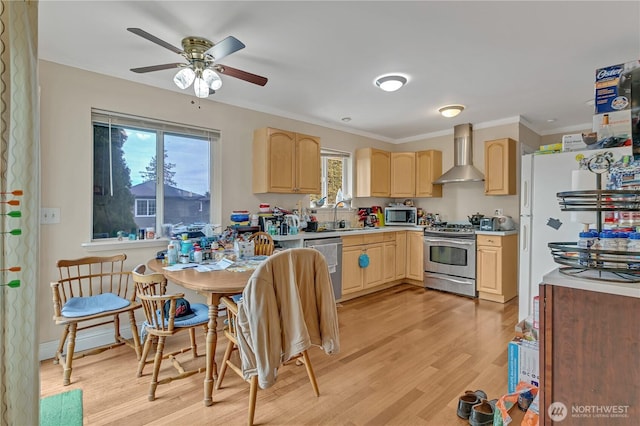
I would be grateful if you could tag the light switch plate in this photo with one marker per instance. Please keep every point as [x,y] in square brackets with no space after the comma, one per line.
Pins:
[497,212]
[49,215]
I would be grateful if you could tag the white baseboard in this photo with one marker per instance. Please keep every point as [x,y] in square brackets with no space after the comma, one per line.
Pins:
[84,340]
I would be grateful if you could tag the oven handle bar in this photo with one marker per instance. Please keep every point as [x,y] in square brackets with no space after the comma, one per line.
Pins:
[449,240]
[441,277]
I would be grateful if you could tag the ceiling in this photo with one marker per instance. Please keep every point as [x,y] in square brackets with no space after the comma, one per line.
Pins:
[533,61]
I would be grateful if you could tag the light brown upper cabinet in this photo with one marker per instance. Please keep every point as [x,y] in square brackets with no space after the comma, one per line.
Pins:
[285,162]
[428,169]
[500,167]
[373,171]
[403,174]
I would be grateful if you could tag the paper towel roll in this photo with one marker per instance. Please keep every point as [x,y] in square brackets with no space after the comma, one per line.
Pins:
[583,180]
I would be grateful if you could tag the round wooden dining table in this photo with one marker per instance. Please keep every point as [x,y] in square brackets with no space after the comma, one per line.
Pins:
[212,285]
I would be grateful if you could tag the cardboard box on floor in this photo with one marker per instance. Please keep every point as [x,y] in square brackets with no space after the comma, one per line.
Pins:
[523,363]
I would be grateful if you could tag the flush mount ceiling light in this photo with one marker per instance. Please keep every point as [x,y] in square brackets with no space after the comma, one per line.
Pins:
[450,111]
[390,83]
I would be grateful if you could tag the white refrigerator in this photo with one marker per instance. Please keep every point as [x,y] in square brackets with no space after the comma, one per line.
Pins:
[542,221]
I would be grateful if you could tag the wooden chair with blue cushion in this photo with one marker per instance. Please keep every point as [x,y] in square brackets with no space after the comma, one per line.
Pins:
[91,292]
[166,315]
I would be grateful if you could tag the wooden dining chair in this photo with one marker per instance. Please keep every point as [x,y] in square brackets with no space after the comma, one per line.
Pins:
[263,243]
[166,315]
[91,292]
[311,293]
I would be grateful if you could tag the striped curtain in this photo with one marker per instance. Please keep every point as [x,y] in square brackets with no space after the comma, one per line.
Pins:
[19,171]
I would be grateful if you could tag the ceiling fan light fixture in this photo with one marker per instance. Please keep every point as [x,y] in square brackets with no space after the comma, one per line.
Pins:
[184,78]
[450,111]
[212,79]
[390,83]
[201,88]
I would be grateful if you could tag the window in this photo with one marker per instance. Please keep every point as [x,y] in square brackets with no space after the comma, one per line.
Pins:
[148,173]
[335,167]
[145,207]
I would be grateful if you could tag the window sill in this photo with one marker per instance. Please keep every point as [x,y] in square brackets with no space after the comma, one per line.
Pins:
[115,244]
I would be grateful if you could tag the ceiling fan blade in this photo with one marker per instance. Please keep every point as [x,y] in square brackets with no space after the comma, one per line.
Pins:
[225,48]
[242,75]
[158,67]
[156,40]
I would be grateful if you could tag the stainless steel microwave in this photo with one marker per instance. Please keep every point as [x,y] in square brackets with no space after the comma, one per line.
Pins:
[400,215]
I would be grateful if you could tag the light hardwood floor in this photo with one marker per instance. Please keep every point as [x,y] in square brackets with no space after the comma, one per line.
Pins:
[406,356]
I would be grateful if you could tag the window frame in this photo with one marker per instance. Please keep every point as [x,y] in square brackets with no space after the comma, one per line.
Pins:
[162,127]
[347,166]
[147,201]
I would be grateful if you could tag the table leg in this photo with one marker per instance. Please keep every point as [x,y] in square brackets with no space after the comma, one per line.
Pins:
[211,374]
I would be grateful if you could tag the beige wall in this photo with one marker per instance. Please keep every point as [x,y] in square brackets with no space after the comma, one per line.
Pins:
[67,96]
[460,200]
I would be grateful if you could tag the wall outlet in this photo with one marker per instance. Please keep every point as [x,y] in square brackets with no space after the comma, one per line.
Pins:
[49,215]
[497,212]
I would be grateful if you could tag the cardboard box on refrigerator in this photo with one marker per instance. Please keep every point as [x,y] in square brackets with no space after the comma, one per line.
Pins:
[523,362]
[617,102]
[577,141]
[617,87]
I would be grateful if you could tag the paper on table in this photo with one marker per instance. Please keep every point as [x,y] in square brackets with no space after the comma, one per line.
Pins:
[221,265]
[180,266]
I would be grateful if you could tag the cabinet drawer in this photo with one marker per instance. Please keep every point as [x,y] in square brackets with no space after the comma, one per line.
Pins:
[353,240]
[372,239]
[389,236]
[489,240]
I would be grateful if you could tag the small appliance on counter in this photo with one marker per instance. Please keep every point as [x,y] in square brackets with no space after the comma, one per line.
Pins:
[489,224]
[506,223]
[475,219]
[394,216]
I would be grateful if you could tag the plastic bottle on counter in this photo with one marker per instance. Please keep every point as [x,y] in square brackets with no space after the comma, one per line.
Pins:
[586,241]
[622,239]
[172,254]
[633,247]
[197,254]
[608,241]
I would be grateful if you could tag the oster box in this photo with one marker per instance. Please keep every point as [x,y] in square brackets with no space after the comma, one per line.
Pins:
[617,99]
[613,91]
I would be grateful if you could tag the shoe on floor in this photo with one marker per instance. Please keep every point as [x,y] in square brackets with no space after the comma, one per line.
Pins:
[482,413]
[468,400]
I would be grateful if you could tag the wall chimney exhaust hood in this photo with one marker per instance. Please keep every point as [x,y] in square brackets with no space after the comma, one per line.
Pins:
[463,170]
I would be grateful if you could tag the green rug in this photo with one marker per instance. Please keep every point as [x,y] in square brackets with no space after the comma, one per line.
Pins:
[63,409]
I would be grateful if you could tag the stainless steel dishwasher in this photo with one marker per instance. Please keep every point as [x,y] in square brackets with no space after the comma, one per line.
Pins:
[331,248]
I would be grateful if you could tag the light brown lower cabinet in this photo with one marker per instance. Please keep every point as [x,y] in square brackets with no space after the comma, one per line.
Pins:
[389,255]
[415,261]
[496,264]
[355,277]
[401,255]
[393,256]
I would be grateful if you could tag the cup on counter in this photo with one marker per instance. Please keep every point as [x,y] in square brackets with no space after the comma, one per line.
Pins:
[150,233]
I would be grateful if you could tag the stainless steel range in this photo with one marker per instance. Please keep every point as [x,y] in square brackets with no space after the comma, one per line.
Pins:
[450,258]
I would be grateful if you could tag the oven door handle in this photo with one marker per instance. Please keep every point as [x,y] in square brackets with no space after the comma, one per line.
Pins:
[449,241]
[426,274]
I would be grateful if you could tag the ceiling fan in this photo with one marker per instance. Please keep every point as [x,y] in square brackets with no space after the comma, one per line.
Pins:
[202,68]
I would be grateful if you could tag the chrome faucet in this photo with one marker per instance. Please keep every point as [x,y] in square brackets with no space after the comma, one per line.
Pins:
[335,212]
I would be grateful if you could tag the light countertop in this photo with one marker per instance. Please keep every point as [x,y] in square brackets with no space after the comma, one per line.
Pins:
[557,278]
[499,233]
[359,231]
[343,233]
